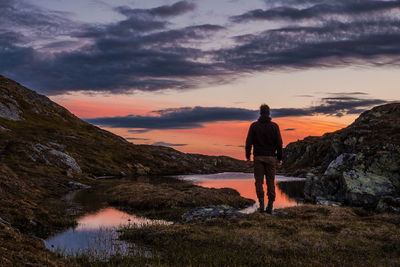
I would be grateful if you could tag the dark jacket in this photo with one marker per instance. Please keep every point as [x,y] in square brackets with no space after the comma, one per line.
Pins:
[266,138]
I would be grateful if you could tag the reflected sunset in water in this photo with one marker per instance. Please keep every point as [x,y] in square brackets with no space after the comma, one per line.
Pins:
[244,184]
[247,189]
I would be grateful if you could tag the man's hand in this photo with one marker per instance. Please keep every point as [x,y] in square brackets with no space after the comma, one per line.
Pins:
[279,163]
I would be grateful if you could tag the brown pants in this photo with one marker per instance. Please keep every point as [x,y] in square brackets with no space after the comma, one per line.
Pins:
[265,165]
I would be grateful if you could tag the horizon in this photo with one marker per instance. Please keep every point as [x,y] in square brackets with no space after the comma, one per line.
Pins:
[191,75]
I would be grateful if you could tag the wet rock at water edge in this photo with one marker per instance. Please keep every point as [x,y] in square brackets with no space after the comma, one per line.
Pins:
[211,212]
[322,187]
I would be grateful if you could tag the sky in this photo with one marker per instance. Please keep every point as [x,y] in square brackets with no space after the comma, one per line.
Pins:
[192,74]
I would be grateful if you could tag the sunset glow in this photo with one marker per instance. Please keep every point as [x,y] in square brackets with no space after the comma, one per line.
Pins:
[191,75]
[246,189]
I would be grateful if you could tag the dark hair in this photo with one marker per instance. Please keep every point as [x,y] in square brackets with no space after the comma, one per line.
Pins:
[264,109]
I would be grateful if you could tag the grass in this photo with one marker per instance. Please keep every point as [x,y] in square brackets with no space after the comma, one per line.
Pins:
[298,236]
[169,200]
[30,198]
[18,249]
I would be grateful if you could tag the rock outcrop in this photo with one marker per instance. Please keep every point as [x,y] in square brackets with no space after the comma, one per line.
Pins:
[358,165]
[211,213]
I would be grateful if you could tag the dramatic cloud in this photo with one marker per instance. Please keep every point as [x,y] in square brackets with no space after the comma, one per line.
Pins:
[178,118]
[139,20]
[333,44]
[124,56]
[196,117]
[19,16]
[323,8]
[163,11]
[145,51]
[167,144]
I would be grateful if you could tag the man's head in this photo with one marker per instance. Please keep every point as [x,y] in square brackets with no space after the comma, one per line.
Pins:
[264,110]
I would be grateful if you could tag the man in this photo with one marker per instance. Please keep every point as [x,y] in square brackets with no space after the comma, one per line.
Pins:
[265,137]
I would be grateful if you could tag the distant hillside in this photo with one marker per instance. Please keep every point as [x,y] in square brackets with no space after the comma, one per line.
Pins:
[37,128]
[43,147]
[357,165]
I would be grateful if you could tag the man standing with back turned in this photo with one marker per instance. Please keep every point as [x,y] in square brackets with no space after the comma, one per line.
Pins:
[266,138]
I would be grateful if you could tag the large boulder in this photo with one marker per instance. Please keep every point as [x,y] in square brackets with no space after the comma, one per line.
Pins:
[365,188]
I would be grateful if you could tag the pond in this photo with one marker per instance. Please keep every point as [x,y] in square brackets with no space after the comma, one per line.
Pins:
[288,190]
[96,232]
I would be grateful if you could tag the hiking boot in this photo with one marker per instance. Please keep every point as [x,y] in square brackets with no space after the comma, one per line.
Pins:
[261,208]
[269,207]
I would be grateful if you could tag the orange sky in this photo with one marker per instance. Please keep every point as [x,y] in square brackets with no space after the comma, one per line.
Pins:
[225,138]
[222,138]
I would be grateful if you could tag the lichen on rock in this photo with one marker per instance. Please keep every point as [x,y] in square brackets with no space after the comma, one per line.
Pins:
[67,160]
[55,157]
[357,165]
[10,111]
[364,188]
[211,212]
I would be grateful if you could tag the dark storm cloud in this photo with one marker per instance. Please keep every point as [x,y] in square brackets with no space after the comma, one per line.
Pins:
[196,117]
[175,9]
[139,20]
[331,106]
[12,54]
[178,118]
[340,106]
[167,144]
[350,7]
[123,56]
[142,52]
[19,15]
[333,44]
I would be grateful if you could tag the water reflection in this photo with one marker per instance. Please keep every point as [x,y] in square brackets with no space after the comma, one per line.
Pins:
[96,234]
[289,190]
[111,218]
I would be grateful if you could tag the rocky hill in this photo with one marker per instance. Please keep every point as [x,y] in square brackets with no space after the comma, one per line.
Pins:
[357,165]
[44,149]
